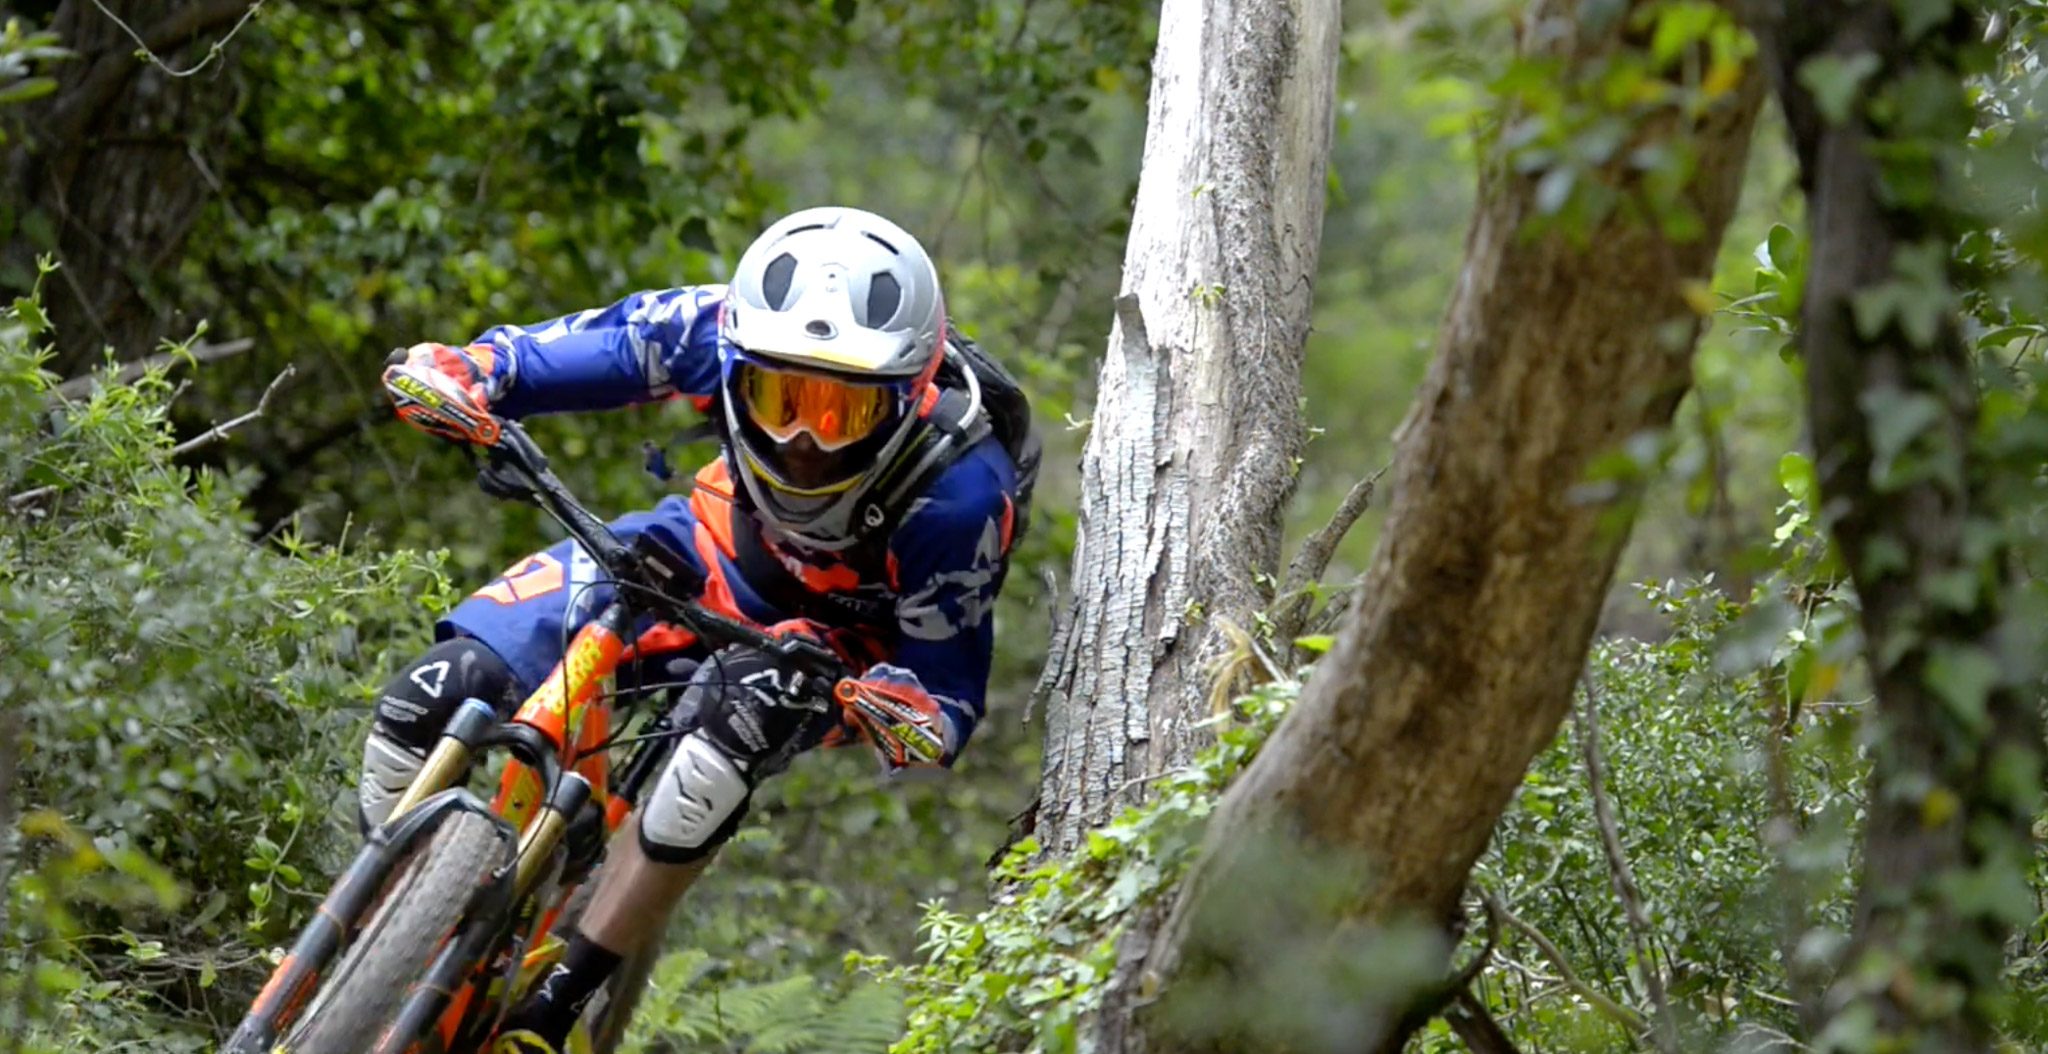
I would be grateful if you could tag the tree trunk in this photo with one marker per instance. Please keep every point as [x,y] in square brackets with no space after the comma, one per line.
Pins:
[1476,613]
[110,172]
[1192,452]
[1956,744]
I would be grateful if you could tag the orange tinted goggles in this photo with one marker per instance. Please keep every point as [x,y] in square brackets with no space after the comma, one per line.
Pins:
[832,412]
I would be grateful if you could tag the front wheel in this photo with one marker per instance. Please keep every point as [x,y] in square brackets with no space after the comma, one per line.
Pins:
[359,996]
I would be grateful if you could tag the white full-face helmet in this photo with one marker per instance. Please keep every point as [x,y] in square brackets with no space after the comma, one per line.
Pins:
[829,338]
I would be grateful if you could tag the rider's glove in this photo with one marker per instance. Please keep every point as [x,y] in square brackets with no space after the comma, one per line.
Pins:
[907,725]
[470,368]
[746,707]
[887,706]
[446,391]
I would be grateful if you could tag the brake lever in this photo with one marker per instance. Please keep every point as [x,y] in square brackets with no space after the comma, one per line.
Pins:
[503,477]
[812,659]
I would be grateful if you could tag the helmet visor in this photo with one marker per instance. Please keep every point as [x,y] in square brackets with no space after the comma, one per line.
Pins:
[833,412]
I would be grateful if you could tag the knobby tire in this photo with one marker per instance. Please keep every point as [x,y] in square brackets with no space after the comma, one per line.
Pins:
[360,995]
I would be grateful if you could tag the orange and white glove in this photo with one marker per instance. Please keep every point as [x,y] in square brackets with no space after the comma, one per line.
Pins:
[908,726]
[445,390]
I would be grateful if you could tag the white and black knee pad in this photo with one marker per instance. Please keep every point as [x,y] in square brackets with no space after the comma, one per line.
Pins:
[745,728]
[413,708]
[697,803]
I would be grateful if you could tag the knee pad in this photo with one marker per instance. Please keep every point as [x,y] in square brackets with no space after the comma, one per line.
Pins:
[415,704]
[697,803]
[421,697]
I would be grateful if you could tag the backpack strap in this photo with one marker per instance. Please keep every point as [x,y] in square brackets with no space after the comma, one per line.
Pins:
[952,427]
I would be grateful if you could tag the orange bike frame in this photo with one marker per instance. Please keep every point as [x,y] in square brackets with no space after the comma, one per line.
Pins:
[572,707]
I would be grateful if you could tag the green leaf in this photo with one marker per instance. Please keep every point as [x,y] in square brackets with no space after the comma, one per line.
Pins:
[1963,678]
[1835,81]
[1795,474]
[1554,190]
[1318,643]
[30,312]
[26,89]
[1916,17]
[1896,419]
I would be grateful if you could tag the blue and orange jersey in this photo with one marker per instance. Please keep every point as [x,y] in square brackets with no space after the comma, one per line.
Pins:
[937,574]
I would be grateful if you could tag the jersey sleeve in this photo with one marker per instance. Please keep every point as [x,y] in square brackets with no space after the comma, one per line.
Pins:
[647,346]
[948,558]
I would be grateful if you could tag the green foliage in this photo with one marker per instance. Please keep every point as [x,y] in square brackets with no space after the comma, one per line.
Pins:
[181,706]
[1577,123]
[1736,790]
[20,50]
[1022,975]
[687,1009]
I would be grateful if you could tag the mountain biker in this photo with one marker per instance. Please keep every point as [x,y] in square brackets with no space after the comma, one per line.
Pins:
[866,495]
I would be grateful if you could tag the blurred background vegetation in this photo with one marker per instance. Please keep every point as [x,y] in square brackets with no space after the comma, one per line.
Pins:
[180,708]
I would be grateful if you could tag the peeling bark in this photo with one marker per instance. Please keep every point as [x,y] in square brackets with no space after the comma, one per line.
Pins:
[1191,456]
[1384,785]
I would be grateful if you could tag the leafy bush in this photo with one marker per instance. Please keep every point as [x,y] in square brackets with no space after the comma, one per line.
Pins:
[1022,975]
[795,1014]
[179,708]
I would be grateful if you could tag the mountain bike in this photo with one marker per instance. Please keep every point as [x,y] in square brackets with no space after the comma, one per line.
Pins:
[445,914]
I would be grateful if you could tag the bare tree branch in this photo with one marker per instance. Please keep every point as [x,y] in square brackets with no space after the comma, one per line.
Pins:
[1291,607]
[1666,1031]
[82,385]
[214,434]
[1314,556]
[66,122]
[172,30]
[1599,1000]
[1481,1033]
[220,431]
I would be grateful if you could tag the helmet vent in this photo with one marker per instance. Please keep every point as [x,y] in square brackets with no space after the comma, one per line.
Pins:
[884,296]
[775,280]
[821,329]
[873,237]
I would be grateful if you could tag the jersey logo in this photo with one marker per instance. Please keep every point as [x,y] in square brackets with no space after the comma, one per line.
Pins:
[537,575]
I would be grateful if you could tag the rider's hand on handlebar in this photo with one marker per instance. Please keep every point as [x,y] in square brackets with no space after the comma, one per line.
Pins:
[894,714]
[470,367]
[445,391]
[904,724]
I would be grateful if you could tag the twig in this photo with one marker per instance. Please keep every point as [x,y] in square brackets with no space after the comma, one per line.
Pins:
[78,387]
[1442,998]
[29,496]
[1313,558]
[221,430]
[1599,1000]
[1291,608]
[1482,1034]
[1780,833]
[205,60]
[1666,1032]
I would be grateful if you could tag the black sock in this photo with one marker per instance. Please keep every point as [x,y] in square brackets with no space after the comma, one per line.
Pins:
[558,999]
